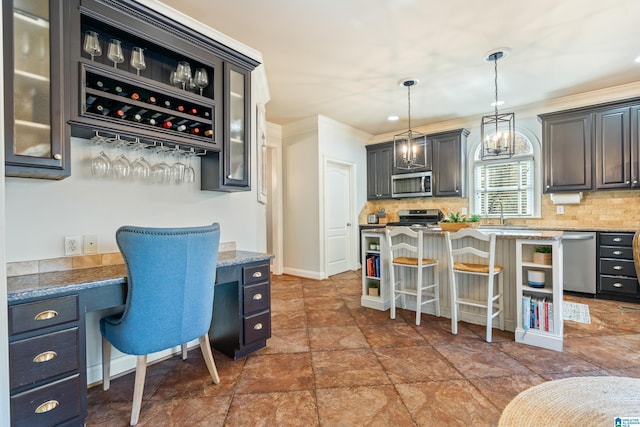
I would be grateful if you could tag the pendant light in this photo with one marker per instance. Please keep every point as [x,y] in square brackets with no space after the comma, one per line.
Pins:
[498,130]
[409,148]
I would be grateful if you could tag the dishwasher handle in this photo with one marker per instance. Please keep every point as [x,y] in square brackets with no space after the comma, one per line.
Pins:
[577,237]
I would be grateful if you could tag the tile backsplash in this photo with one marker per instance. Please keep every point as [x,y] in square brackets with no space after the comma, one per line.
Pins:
[602,209]
[75,262]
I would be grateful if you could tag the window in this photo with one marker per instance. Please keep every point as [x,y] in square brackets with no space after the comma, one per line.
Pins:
[509,181]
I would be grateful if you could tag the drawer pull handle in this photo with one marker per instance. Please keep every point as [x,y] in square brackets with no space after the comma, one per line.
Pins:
[617,239]
[257,297]
[617,285]
[45,356]
[257,326]
[617,267]
[257,274]
[46,315]
[617,252]
[47,406]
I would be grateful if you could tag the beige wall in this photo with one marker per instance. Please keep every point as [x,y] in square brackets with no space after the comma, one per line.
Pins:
[602,209]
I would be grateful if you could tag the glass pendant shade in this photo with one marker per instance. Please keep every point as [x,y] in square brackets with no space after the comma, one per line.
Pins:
[498,130]
[410,147]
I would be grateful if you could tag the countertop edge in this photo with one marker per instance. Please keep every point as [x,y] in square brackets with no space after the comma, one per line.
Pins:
[33,286]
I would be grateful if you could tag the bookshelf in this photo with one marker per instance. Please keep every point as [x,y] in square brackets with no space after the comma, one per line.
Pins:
[374,270]
[539,295]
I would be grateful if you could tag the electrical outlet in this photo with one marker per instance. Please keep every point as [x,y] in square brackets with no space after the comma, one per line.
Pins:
[463,211]
[560,210]
[73,245]
[90,243]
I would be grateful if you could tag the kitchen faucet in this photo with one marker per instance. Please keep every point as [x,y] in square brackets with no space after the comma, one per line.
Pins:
[501,209]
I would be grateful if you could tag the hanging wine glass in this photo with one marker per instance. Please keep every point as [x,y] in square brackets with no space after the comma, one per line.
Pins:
[100,164]
[177,168]
[92,44]
[160,172]
[189,172]
[200,79]
[114,53]
[140,168]
[137,59]
[183,73]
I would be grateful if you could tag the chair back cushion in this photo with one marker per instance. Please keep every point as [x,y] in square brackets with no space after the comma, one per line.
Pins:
[171,274]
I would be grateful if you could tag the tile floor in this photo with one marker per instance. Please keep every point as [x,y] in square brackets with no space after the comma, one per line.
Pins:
[331,362]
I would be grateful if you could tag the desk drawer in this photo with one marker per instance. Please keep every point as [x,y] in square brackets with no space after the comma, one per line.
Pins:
[48,405]
[618,267]
[256,274]
[619,285]
[616,239]
[257,327]
[41,314]
[616,252]
[44,356]
[256,298]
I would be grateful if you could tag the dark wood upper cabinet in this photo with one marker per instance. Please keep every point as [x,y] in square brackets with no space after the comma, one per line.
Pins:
[379,166]
[613,148]
[567,151]
[592,148]
[36,89]
[449,151]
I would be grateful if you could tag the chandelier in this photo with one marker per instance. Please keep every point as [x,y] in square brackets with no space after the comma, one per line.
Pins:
[498,130]
[409,148]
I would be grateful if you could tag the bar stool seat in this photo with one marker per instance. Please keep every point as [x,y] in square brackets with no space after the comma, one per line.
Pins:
[402,242]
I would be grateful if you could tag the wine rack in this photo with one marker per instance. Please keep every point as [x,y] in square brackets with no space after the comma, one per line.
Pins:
[117,99]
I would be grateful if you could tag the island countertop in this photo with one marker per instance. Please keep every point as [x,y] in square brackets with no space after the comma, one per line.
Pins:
[507,233]
[46,284]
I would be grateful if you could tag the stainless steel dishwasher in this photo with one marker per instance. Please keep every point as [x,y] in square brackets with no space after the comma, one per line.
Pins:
[579,248]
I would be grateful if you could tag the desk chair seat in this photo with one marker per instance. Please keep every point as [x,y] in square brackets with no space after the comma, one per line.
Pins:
[170,278]
[401,243]
[470,243]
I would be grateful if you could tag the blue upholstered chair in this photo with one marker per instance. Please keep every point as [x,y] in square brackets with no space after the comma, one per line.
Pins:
[171,274]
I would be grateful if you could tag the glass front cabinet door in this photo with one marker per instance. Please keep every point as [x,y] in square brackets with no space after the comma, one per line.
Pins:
[36,102]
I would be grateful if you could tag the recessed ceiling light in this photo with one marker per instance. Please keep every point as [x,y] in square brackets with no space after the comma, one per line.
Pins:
[393,118]
[499,103]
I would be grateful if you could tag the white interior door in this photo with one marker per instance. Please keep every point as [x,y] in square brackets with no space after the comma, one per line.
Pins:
[337,217]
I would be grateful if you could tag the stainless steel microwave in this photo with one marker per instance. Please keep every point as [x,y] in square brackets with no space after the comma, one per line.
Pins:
[417,184]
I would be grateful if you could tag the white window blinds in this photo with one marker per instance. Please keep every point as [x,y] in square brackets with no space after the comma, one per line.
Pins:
[510,182]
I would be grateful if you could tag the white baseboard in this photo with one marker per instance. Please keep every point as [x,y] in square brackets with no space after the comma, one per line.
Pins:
[307,274]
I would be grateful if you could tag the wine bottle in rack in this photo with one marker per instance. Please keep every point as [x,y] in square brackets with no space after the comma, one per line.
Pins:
[119,90]
[99,108]
[208,132]
[167,124]
[101,85]
[152,121]
[193,111]
[181,108]
[135,96]
[151,100]
[166,103]
[195,131]
[181,128]
[206,114]
[119,113]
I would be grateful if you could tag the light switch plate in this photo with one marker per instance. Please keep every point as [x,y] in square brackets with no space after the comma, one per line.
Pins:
[560,209]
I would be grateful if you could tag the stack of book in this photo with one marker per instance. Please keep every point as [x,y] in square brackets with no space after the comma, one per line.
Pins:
[537,313]
[373,266]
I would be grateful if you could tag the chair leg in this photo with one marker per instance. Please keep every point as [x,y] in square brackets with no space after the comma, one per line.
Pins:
[392,276]
[419,295]
[436,288]
[489,317]
[205,346]
[138,388]
[454,305]
[184,351]
[106,364]
[501,300]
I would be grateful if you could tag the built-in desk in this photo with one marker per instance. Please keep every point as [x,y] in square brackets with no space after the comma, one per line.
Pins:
[48,333]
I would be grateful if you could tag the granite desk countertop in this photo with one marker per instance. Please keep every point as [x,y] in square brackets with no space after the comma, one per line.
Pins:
[45,284]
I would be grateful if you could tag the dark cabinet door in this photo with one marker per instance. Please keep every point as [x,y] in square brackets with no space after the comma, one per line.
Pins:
[36,98]
[448,163]
[635,146]
[613,151]
[379,165]
[567,148]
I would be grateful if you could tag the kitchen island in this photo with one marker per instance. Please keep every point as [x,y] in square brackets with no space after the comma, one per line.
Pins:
[54,344]
[514,249]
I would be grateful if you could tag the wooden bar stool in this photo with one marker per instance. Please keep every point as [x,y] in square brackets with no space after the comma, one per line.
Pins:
[406,248]
[462,245]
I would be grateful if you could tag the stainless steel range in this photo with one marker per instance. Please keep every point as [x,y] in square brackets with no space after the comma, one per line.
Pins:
[418,218]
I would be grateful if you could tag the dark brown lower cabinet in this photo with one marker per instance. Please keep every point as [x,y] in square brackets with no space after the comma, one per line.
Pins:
[617,277]
[241,322]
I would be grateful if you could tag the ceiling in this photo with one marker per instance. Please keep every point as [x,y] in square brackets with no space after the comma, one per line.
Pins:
[344,58]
